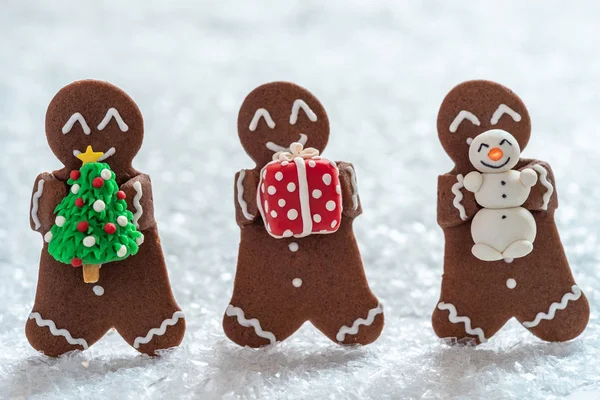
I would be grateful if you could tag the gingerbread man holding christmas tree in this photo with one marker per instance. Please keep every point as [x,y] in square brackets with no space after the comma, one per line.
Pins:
[102,264]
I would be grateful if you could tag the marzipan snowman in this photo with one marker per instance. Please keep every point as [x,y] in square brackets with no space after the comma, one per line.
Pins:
[284,280]
[502,229]
[132,295]
[477,296]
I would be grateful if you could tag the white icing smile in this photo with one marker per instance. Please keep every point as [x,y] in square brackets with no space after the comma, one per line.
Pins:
[107,154]
[275,147]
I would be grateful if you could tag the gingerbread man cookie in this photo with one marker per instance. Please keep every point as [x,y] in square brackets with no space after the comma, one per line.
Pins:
[298,259]
[503,256]
[102,264]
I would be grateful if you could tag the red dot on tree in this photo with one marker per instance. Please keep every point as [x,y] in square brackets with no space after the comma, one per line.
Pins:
[110,228]
[76,262]
[121,195]
[75,174]
[98,183]
[79,202]
[82,226]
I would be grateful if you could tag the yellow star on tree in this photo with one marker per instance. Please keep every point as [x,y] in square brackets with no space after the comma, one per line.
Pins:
[90,155]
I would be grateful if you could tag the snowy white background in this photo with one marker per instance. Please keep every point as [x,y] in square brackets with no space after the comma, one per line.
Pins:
[381,68]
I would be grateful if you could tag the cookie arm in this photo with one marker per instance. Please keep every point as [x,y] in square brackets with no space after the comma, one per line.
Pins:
[245,186]
[47,193]
[543,194]
[456,204]
[351,204]
[139,201]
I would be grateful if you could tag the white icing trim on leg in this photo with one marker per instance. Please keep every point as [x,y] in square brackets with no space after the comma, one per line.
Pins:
[41,322]
[240,195]
[458,196]
[36,199]
[177,315]
[574,295]
[353,330]
[544,181]
[137,186]
[354,186]
[237,312]
[456,319]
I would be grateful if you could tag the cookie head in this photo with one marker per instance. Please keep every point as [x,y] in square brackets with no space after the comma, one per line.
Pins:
[494,151]
[97,114]
[475,107]
[275,115]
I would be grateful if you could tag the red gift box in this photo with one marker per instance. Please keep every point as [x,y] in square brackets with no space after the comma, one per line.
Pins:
[299,194]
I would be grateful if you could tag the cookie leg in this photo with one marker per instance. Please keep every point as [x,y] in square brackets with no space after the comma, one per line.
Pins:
[465,323]
[564,319]
[67,315]
[146,313]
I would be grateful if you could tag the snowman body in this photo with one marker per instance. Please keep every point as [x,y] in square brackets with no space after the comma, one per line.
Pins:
[502,229]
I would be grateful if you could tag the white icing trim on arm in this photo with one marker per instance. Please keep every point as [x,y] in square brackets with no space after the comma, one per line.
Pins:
[35,204]
[458,196]
[544,181]
[298,104]
[177,315]
[240,196]
[112,112]
[254,323]
[74,118]
[137,186]
[575,295]
[57,332]
[462,116]
[354,186]
[261,112]
[504,109]
[353,330]
[307,223]
[456,319]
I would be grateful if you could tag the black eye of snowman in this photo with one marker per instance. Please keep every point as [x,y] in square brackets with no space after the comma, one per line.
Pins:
[481,146]
[505,141]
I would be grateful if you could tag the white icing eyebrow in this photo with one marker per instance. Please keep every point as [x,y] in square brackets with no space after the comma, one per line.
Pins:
[112,112]
[74,118]
[261,112]
[298,104]
[504,109]
[462,116]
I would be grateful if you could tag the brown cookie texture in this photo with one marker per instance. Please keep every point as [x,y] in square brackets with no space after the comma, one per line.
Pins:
[478,297]
[132,295]
[283,282]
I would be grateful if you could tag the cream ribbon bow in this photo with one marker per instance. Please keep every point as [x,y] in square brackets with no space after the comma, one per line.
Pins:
[296,150]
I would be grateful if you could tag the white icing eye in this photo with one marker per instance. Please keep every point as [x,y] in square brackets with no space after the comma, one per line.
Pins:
[113,113]
[261,112]
[77,117]
[301,104]
[462,116]
[504,109]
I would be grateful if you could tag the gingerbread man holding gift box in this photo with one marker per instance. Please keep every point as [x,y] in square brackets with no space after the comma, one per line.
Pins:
[503,256]
[298,259]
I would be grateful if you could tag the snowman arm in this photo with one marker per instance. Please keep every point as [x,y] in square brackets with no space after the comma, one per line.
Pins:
[47,193]
[351,204]
[140,201]
[473,181]
[245,191]
[543,193]
[455,205]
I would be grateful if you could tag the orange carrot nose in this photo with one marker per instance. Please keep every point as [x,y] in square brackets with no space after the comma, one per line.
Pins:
[495,154]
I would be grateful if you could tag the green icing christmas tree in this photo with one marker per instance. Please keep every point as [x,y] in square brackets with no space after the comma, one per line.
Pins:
[92,225]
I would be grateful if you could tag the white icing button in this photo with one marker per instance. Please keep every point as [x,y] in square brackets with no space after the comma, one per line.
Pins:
[99,205]
[98,290]
[271,190]
[75,188]
[291,187]
[297,282]
[60,220]
[48,237]
[279,175]
[89,241]
[317,194]
[106,174]
[293,247]
[326,179]
[330,205]
[281,203]
[292,214]
[511,283]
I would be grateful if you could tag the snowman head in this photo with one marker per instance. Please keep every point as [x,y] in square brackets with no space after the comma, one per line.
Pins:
[494,151]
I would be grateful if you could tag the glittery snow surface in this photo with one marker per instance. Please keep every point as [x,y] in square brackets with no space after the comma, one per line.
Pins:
[381,69]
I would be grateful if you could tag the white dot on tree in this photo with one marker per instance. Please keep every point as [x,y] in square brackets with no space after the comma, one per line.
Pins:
[106,174]
[99,205]
[60,220]
[122,220]
[48,237]
[139,240]
[122,251]
[75,189]
[89,241]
